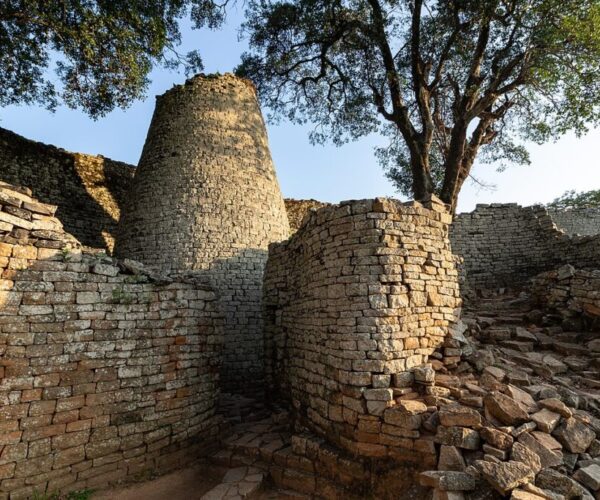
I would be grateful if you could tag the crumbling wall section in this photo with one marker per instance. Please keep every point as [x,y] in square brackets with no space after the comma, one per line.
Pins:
[106,371]
[581,221]
[507,245]
[364,292]
[298,209]
[88,190]
[206,198]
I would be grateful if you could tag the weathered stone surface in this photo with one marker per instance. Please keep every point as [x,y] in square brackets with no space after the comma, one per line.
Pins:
[505,409]
[461,437]
[574,435]
[557,406]
[548,458]
[505,476]
[447,480]
[451,459]
[546,420]
[205,198]
[103,374]
[496,438]
[554,481]
[458,415]
[524,454]
[589,476]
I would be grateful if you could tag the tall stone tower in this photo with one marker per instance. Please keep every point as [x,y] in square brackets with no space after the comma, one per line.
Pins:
[205,198]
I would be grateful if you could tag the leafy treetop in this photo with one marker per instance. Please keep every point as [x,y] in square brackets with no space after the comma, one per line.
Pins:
[102,50]
[448,81]
[573,199]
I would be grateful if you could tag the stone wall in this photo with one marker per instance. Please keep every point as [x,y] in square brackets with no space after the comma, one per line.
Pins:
[360,295]
[506,245]
[206,197]
[571,293]
[298,209]
[582,221]
[106,372]
[88,190]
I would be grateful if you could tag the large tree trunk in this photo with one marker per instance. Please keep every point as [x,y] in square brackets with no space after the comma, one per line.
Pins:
[422,185]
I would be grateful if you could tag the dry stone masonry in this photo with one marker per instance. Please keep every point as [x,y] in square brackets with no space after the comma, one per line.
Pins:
[363,293]
[106,371]
[506,245]
[206,198]
[88,190]
[582,221]
[113,369]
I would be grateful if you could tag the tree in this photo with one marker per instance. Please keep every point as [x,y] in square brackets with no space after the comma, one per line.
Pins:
[448,81]
[102,50]
[573,199]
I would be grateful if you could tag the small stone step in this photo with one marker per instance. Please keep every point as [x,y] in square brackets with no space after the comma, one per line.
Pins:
[238,483]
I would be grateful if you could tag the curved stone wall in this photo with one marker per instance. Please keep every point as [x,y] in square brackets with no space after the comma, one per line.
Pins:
[205,197]
[363,293]
[106,372]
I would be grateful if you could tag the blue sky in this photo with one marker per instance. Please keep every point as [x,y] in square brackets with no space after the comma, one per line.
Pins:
[305,171]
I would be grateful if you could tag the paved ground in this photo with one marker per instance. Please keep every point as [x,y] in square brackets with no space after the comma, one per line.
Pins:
[185,484]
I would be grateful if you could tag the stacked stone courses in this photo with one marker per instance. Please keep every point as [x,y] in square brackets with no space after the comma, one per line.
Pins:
[364,292]
[106,371]
[507,245]
[88,190]
[582,221]
[206,198]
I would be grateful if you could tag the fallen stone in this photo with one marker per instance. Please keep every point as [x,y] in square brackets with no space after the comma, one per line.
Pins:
[495,372]
[574,435]
[522,397]
[524,454]
[548,458]
[547,440]
[505,409]
[589,476]
[546,420]
[451,459]
[557,406]
[505,476]
[447,480]
[524,495]
[496,438]
[554,481]
[460,437]
[458,415]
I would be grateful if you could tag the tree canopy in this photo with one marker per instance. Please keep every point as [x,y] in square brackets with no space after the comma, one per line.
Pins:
[101,50]
[447,81]
[573,199]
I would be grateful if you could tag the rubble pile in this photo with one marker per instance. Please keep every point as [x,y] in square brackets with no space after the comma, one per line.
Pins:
[518,417]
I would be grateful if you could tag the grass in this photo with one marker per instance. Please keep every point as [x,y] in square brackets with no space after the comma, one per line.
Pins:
[73,495]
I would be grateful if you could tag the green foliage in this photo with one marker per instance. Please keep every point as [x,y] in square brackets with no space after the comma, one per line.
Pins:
[101,51]
[573,199]
[121,296]
[448,82]
[73,495]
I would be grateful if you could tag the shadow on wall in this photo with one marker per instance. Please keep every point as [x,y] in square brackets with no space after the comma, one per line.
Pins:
[238,281]
[107,371]
[88,190]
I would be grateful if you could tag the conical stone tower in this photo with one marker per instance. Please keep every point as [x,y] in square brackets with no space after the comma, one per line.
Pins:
[205,198]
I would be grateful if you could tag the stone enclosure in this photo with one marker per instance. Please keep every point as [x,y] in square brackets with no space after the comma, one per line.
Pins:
[355,375]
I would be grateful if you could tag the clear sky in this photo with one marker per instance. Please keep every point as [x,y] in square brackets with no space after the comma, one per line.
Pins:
[305,171]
